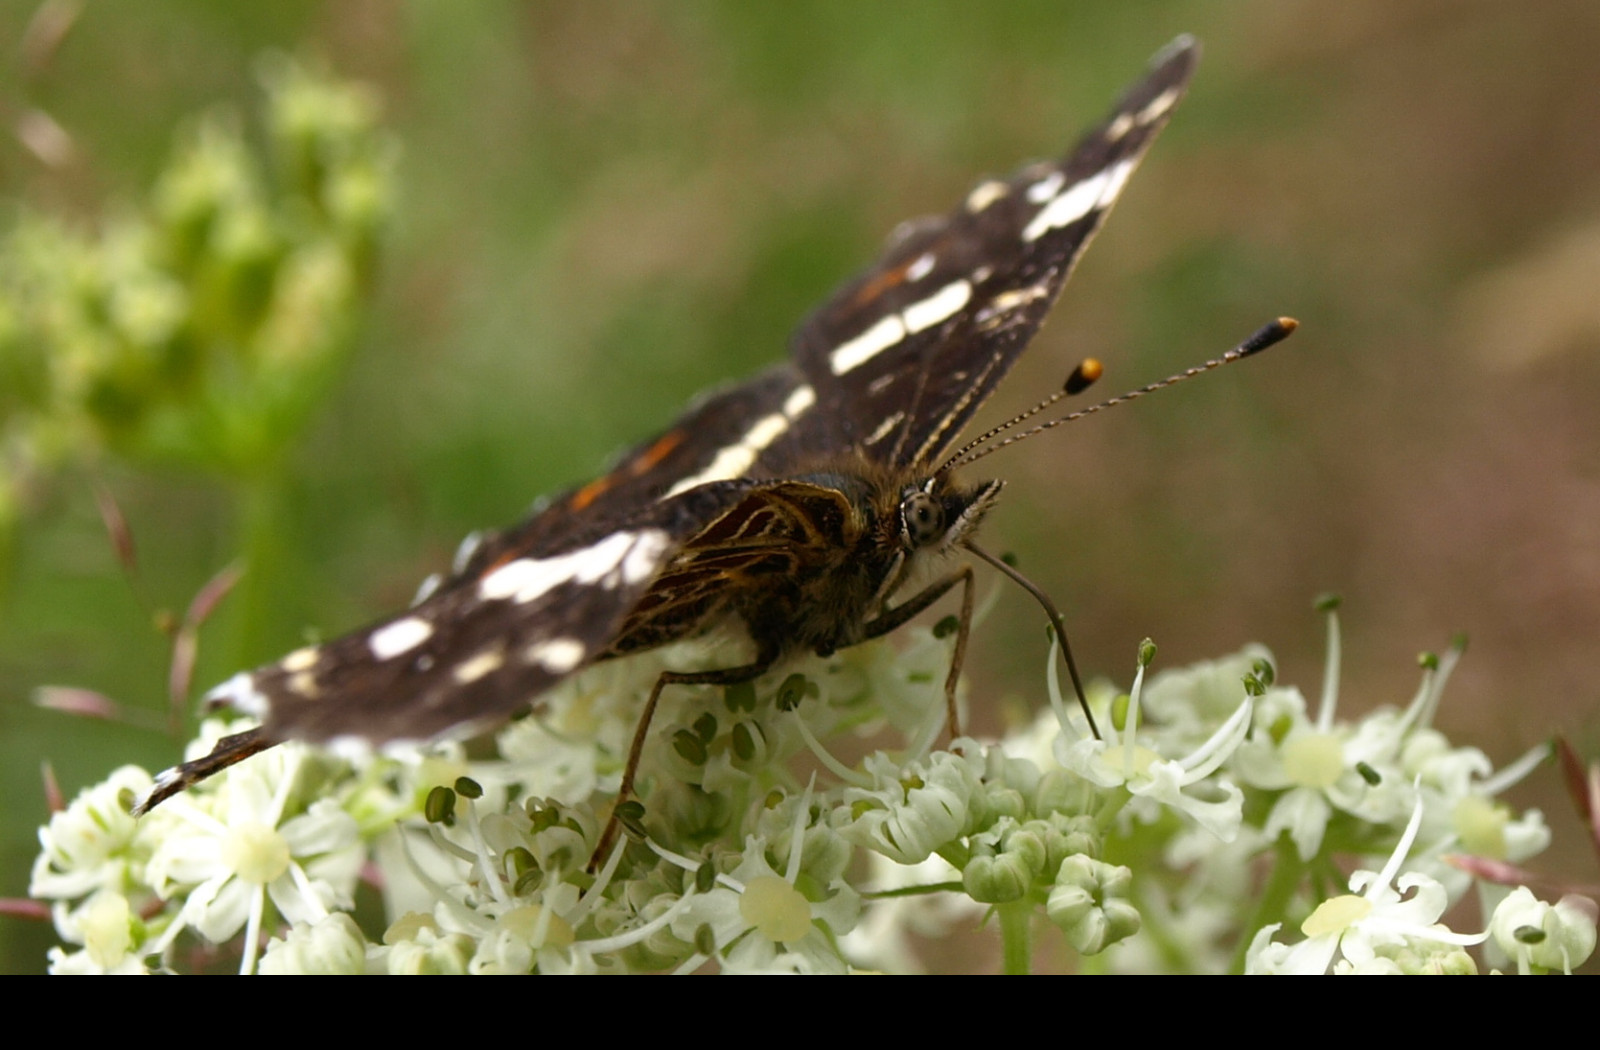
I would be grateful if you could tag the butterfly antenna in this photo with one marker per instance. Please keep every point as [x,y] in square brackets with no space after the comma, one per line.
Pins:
[1081,379]
[1268,335]
[1056,624]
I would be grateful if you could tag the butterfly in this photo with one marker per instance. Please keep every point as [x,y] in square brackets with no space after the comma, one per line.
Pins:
[798,504]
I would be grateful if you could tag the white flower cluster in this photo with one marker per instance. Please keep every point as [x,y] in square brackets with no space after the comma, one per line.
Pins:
[1206,821]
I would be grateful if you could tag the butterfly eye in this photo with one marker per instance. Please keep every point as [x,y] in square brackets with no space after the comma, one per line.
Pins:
[921,519]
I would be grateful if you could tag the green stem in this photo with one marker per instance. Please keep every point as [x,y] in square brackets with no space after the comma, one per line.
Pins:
[956,854]
[1016,936]
[257,603]
[1273,904]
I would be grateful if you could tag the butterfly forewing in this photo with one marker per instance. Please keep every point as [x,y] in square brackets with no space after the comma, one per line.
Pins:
[703,445]
[905,353]
[746,507]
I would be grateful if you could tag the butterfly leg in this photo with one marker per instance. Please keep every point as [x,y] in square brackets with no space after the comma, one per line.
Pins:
[229,750]
[725,676]
[893,619]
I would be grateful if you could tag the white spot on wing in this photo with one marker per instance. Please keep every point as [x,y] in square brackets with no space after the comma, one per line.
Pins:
[1095,193]
[1046,188]
[426,589]
[240,694]
[920,267]
[937,307]
[1006,302]
[1072,204]
[730,463]
[164,779]
[889,331]
[300,660]
[406,750]
[468,547]
[733,461]
[802,398]
[765,431]
[1157,107]
[350,748]
[869,344]
[1116,178]
[558,655]
[985,194]
[885,428]
[644,559]
[475,667]
[402,636]
[635,555]
[1119,127]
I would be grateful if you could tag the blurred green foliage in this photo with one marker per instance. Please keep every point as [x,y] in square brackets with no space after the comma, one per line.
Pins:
[201,329]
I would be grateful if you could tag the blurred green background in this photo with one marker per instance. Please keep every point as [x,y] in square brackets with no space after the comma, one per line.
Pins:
[601,209]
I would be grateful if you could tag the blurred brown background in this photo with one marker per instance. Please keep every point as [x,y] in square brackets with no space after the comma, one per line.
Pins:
[605,208]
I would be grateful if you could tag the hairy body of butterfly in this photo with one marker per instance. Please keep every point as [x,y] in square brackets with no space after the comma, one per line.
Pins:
[798,504]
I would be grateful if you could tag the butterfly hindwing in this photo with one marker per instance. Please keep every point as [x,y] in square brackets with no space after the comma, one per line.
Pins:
[772,538]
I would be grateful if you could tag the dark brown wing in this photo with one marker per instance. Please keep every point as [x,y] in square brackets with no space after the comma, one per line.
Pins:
[901,356]
[482,645]
[893,364]
[898,359]
[705,444]
[891,368]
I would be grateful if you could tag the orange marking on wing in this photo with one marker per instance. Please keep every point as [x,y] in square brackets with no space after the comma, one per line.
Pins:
[590,492]
[651,457]
[882,283]
[505,559]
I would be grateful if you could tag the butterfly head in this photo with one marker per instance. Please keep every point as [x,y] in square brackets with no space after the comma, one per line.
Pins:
[939,513]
